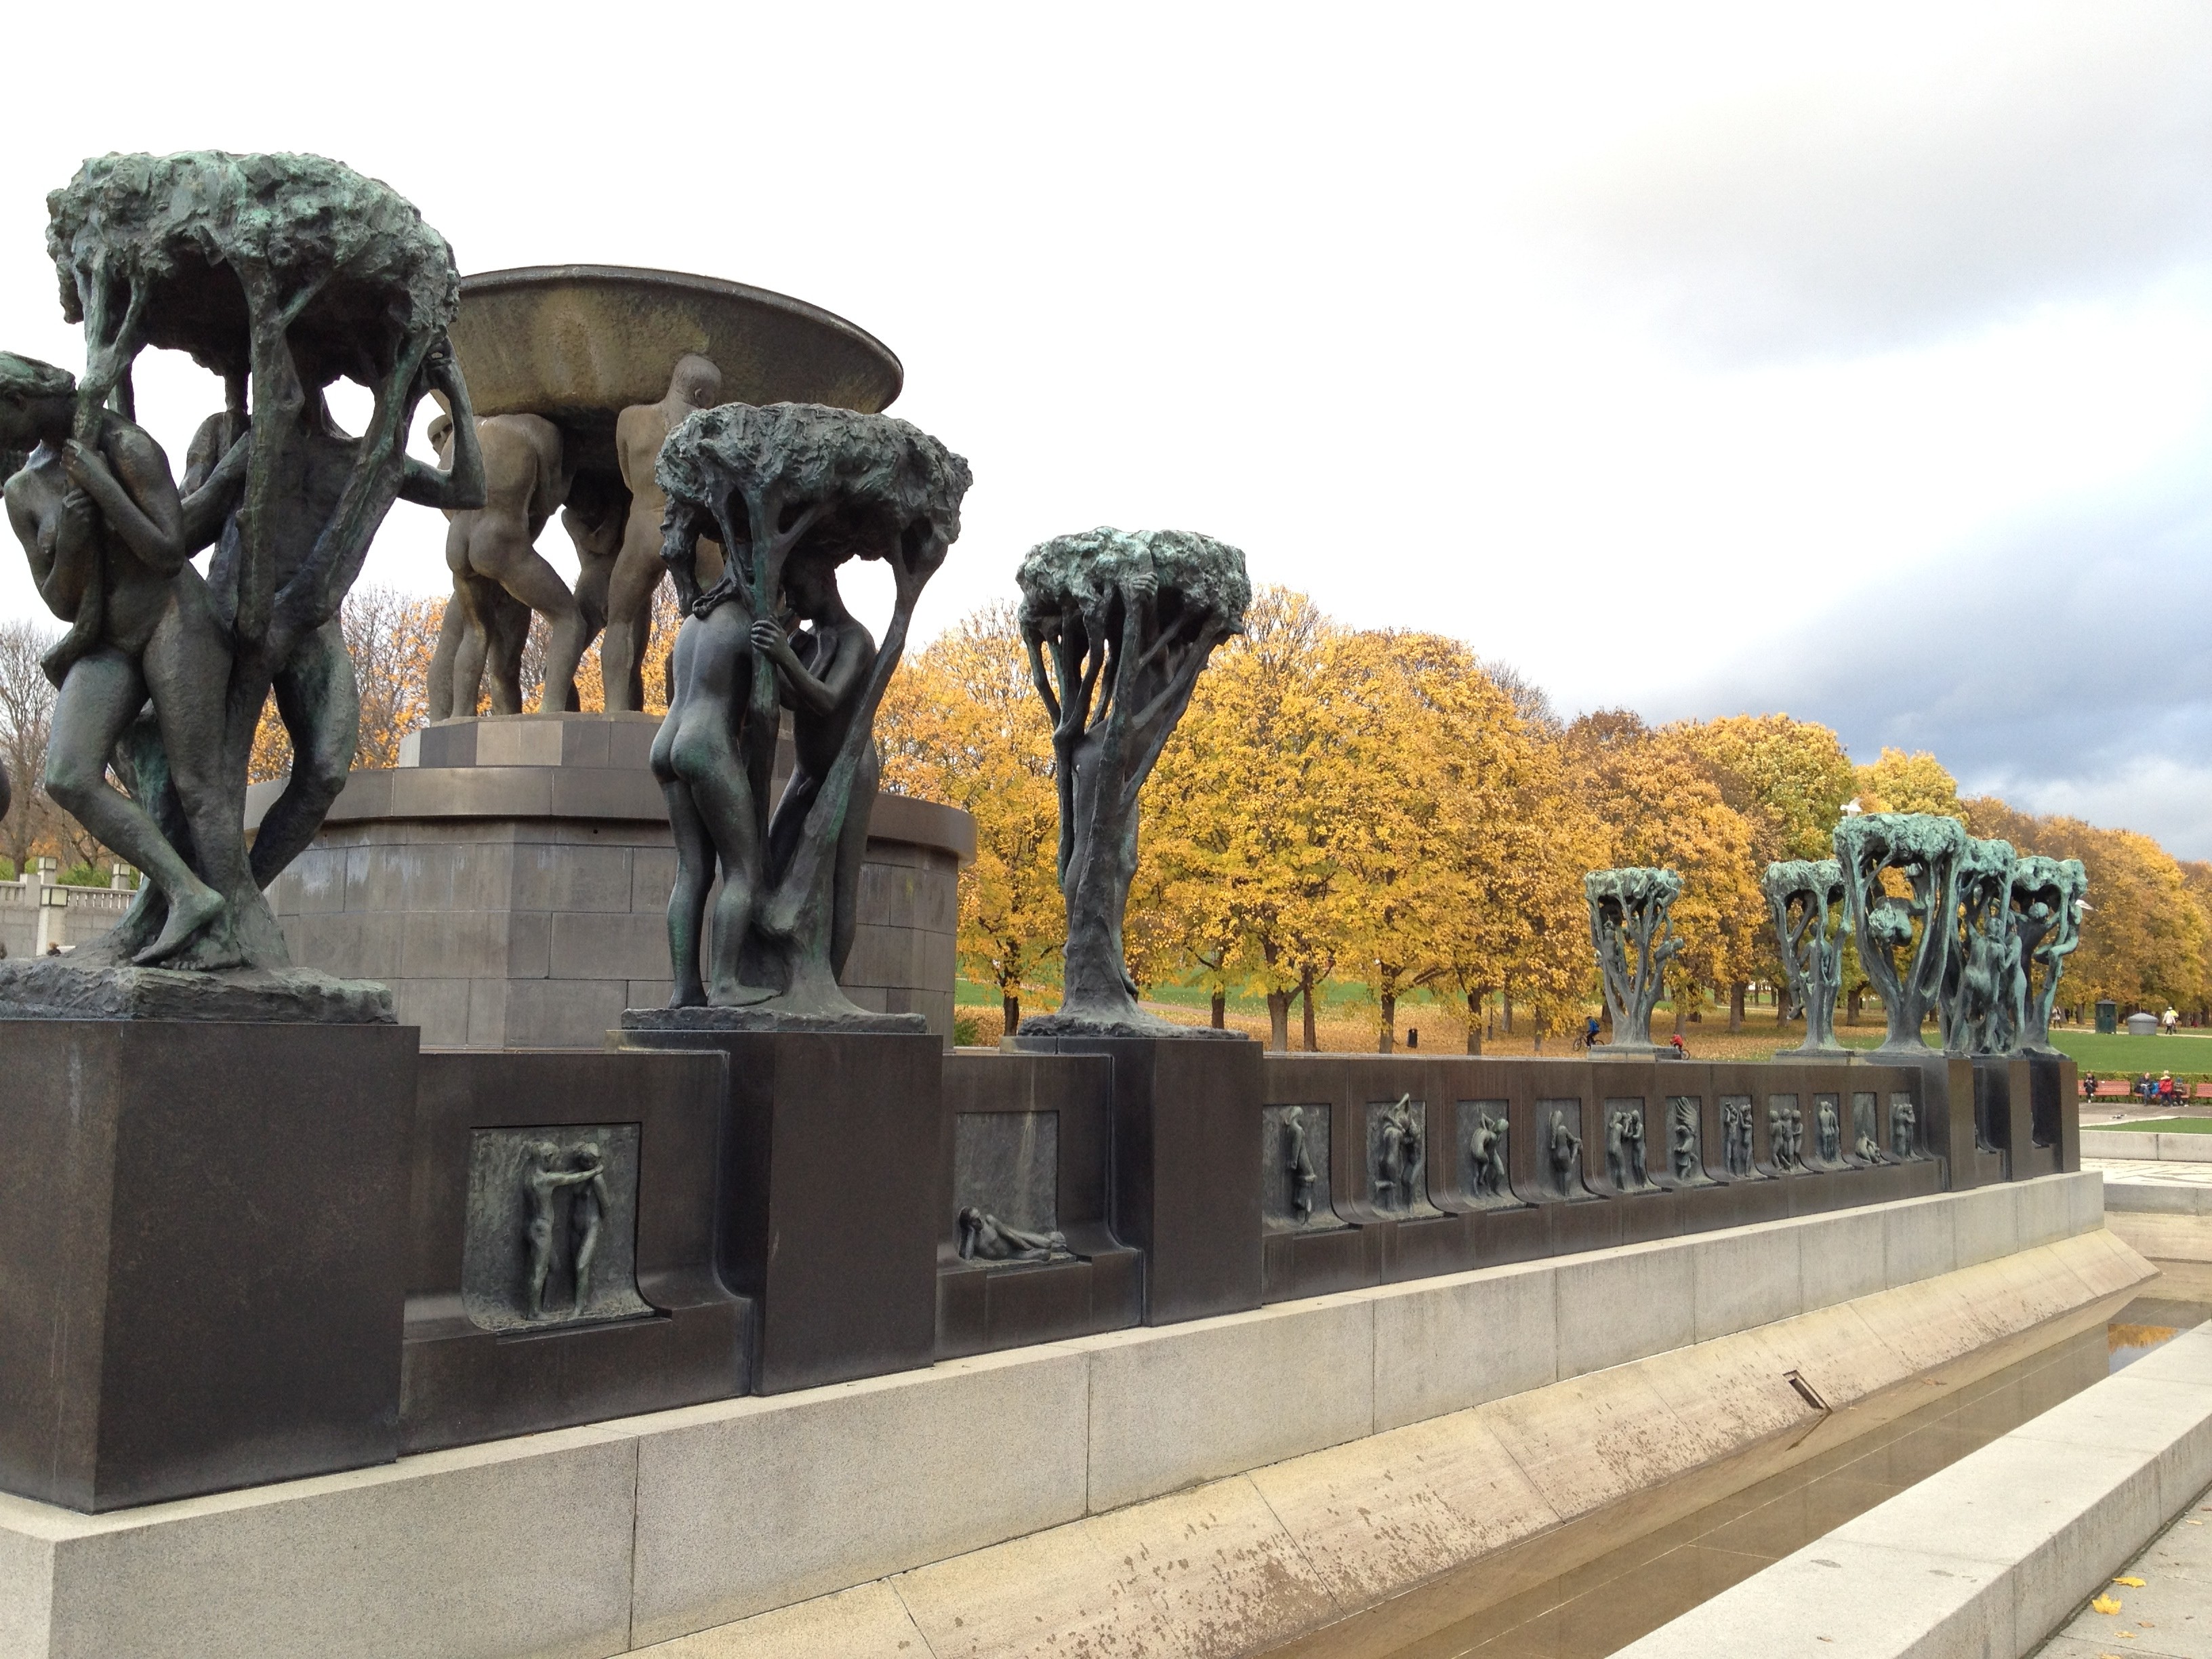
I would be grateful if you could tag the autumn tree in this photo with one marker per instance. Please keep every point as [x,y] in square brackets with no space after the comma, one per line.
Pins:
[2146,939]
[960,723]
[27,713]
[1239,808]
[1917,782]
[1788,780]
[1661,807]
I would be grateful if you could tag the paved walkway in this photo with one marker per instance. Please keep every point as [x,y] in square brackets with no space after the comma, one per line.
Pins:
[2144,1170]
[2167,1616]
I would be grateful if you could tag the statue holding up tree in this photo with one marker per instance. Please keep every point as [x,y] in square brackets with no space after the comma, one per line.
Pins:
[1118,625]
[281,273]
[1924,849]
[1806,896]
[1633,934]
[791,491]
[2048,896]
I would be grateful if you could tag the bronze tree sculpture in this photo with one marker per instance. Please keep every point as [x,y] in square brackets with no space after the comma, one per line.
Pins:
[1925,850]
[1806,896]
[1633,934]
[1982,958]
[280,273]
[2047,896]
[791,490]
[1118,623]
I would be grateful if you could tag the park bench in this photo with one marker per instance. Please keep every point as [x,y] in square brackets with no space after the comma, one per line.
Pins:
[2114,1089]
[2200,1092]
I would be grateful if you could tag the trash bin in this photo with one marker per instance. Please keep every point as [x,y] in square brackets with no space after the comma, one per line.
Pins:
[2143,1024]
[2108,1018]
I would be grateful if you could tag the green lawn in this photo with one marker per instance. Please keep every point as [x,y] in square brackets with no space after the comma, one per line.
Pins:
[2113,1056]
[2165,1126]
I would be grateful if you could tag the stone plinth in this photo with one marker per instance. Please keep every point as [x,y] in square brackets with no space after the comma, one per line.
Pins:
[662,1330]
[828,1217]
[202,1243]
[509,881]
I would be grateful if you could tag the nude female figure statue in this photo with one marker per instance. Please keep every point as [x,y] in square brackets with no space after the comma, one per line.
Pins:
[698,756]
[103,519]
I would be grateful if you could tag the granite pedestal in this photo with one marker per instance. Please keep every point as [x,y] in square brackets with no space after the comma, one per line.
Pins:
[659,1328]
[203,1246]
[828,1215]
[1028,1139]
[1186,1180]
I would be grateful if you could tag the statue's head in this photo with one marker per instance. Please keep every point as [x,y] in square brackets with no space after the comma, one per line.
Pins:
[36,399]
[810,587]
[695,381]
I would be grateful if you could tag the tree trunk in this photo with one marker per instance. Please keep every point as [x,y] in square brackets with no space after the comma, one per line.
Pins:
[1009,1007]
[1220,1010]
[1305,993]
[1473,1023]
[1279,1021]
[1681,1007]
[1506,997]
[1736,1008]
[1851,1005]
[1385,1038]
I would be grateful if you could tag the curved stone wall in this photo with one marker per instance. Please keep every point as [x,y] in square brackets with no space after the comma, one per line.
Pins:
[510,880]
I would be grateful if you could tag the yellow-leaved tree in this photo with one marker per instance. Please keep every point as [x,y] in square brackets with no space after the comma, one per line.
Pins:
[1238,813]
[1660,806]
[1788,780]
[961,723]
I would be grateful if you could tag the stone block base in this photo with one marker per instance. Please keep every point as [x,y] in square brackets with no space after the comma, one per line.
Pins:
[201,1242]
[828,1219]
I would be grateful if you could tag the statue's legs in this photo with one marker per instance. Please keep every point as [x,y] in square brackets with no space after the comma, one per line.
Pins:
[320,705]
[450,633]
[186,665]
[523,571]
[100,698]
[637,572]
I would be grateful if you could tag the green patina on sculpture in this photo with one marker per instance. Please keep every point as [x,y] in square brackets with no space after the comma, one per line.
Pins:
[282,273]
[1982,959]
[791,491]
[2047,896]
[1803,893]
[1925,849]
[1118,623]
[1633,934]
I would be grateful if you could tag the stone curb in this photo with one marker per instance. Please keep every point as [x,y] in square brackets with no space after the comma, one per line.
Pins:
[1987,1557]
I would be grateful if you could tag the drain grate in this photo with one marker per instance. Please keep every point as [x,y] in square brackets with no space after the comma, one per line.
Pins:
[1806,1391]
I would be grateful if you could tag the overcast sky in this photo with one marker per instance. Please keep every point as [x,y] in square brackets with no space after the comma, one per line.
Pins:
[1853,362]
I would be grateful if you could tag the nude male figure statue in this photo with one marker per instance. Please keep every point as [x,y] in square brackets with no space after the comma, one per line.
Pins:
[493,548]
[316,693]
[499,645]
[639,431]
[541,1179]
[104,527]
[823,668]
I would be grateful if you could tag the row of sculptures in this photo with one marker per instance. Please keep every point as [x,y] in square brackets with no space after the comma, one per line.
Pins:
[1397,1166]
[284,273]
[1978,937]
